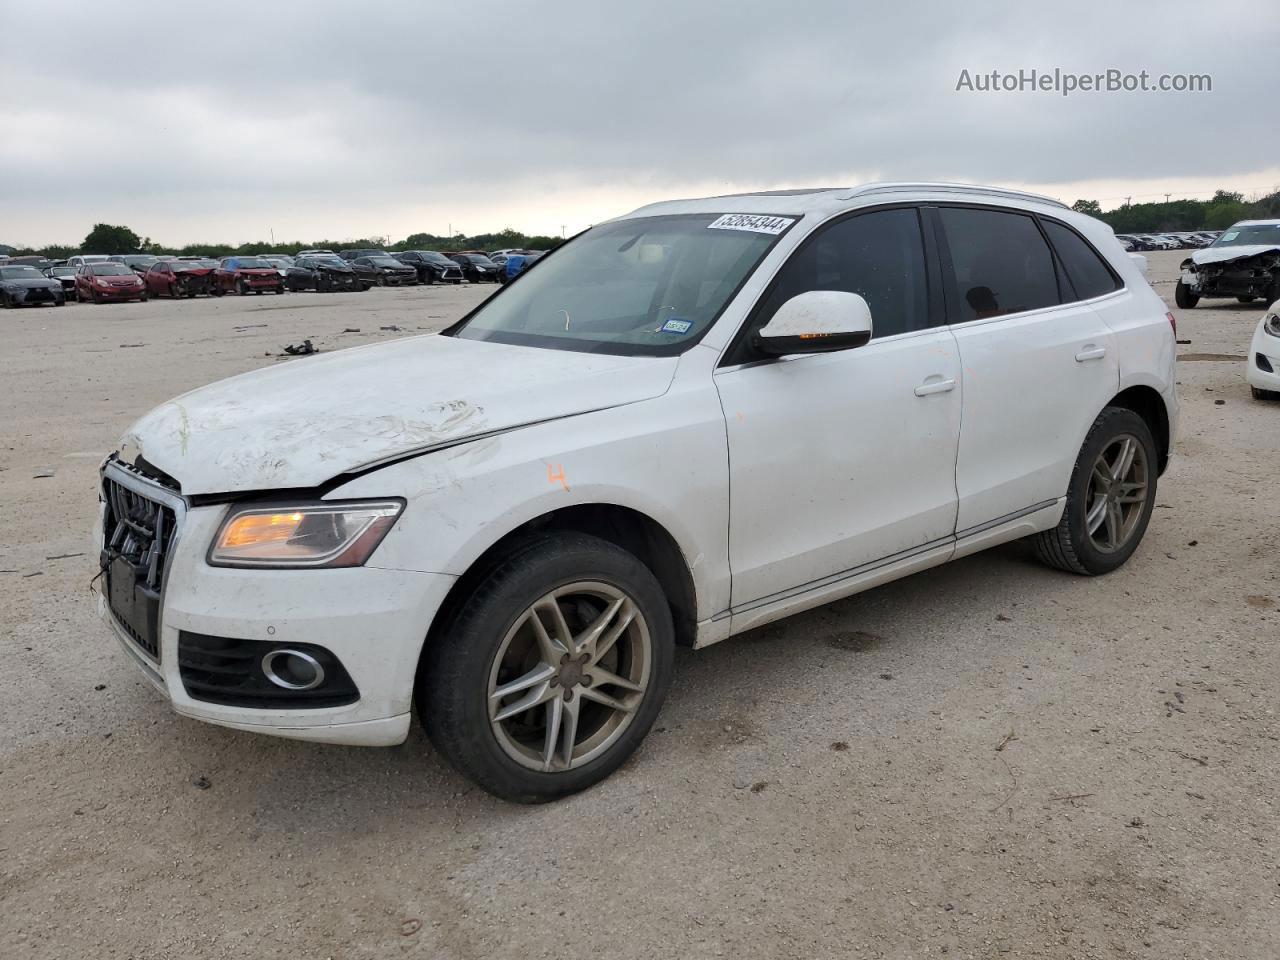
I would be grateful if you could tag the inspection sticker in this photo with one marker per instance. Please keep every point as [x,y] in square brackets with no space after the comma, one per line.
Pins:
[755,222]
[676,326]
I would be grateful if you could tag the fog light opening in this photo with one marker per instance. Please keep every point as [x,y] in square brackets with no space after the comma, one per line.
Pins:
[293,669]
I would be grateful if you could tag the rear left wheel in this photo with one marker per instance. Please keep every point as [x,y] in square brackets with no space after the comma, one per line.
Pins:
[1109,499]
[552,671]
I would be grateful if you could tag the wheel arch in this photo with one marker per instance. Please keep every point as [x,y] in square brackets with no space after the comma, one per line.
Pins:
[632,530]
[1147,403]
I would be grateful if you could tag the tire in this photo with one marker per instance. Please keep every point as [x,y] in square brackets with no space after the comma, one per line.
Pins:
[473,654]
[1245,299]
[142,298]
[174,291]
[6,302]
[1070,546]
[428,277]
[382,281]
[1260,394]
[1183,296]
[93,294]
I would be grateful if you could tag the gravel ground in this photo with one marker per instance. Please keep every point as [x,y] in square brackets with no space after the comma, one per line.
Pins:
[988,758]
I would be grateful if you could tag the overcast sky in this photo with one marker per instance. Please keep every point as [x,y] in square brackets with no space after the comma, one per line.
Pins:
[342,120]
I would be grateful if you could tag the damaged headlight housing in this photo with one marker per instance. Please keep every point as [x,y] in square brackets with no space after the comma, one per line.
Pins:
[303,535]
[1272,324]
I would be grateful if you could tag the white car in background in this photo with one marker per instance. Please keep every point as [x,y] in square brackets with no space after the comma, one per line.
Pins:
[1264,356]
[687,422]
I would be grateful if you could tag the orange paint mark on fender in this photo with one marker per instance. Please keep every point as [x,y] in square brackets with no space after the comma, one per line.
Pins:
[555,474]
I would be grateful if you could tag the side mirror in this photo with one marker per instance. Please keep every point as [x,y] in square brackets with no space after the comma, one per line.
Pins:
[817,321]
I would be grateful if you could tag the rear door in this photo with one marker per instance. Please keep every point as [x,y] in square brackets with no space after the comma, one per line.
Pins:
[1039,365]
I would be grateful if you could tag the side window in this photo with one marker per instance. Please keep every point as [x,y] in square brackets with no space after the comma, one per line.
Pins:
[1001,261]
[1085,268]
[878,255]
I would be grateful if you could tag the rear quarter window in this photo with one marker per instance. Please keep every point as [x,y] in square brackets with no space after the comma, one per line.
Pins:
[1087,273]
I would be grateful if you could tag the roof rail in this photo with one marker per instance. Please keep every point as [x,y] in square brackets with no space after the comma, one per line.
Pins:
[972,189]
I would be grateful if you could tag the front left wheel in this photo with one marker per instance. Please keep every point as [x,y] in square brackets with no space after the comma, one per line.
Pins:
[1183,296]
[550,673]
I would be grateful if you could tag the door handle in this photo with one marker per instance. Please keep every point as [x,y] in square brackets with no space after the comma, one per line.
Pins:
[935,386]
[1090,352]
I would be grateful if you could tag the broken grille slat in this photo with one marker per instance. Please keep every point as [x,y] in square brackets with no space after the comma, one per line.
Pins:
[139,532]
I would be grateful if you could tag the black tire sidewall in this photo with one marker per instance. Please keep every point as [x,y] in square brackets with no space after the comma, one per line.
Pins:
[1183,296]
[1112,422]
[453,686]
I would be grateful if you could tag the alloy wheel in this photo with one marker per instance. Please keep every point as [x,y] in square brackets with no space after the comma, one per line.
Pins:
[1117,493]
[569,676]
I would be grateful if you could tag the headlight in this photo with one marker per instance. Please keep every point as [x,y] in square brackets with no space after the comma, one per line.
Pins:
[1272,324]
[303,535]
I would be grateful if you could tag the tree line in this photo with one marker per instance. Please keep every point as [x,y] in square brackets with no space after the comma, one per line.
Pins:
[1178,216]
[1218,213]
[116,239]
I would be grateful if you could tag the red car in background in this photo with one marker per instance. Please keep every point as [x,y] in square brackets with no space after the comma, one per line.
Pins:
[101,281]
[246,275]
[180,278]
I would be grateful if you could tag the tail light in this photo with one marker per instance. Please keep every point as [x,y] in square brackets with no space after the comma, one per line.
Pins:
[1173,323]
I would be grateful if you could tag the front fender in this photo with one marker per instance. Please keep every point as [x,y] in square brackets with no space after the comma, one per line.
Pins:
[665,458]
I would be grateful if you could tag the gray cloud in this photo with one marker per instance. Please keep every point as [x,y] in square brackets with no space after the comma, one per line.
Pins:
[326,118]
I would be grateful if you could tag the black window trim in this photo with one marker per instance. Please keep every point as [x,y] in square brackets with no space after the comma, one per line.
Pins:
[1067,296]
[738,353]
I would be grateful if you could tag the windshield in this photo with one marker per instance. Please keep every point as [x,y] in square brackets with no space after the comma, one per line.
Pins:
[438,258]
[141,261]
[648,286]
[1256,233]
[281,261]
[110,270]
[20,273]
[331,262]
[62,271]
[385,262]
[478,258]
[253,263]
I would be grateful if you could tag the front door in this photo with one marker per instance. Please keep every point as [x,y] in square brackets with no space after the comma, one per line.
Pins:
[840,460]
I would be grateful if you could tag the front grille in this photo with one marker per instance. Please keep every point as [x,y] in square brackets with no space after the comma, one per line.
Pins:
[228,671]
[138,534]
[39,295]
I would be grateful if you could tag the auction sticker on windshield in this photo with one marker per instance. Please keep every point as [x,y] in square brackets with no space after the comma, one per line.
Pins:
[755,222]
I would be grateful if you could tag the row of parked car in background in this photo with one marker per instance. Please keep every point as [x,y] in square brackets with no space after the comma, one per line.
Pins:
[1168,241]
[102,278]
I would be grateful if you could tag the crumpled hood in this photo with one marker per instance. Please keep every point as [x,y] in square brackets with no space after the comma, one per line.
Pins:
[1224,254]
[306,421]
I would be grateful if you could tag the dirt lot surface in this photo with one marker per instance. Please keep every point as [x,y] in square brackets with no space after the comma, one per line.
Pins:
[988,759]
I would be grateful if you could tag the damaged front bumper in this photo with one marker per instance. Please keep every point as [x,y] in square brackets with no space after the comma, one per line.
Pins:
[203,649]
[1255,275]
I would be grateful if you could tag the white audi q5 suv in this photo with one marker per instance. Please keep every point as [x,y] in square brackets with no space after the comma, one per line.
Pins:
[684,423]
